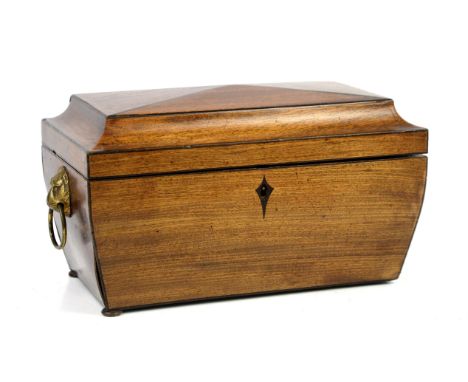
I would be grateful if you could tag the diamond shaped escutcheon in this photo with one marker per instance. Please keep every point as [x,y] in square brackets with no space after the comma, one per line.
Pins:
[264,191]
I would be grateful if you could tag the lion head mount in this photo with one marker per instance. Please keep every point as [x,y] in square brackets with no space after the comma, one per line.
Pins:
[59,192]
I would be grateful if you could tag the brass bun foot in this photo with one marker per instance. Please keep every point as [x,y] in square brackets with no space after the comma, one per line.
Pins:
[73,274]
[111,313]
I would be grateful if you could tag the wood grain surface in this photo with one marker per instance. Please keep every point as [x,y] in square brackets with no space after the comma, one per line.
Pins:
[99,146]
[164,189]
[223,97]
[79,250]
[100,122]
[249,126]
[255,154]
[185,237]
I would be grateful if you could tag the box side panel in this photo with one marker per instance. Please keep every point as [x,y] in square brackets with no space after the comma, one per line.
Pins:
[164,239]
[79,249]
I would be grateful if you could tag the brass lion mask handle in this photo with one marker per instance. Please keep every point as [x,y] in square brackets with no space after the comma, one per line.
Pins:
[58,199]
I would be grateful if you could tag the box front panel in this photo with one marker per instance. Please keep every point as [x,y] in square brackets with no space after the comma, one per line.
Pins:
[186,237]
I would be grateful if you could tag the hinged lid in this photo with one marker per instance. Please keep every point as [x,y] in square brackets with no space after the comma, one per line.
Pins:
[190,129]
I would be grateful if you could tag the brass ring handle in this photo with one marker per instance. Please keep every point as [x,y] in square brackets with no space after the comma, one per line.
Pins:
[63,240]
[58,199]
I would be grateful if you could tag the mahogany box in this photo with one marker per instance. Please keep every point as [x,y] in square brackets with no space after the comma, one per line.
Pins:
[181,195]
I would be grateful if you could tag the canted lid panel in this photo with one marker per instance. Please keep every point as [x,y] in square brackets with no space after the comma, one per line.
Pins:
[219,98]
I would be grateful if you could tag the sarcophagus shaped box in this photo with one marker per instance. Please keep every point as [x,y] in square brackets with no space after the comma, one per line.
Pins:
[177,195]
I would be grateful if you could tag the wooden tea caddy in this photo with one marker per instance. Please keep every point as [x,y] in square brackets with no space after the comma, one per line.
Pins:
[180,195]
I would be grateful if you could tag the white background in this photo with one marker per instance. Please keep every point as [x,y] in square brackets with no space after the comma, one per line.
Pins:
[412,51]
